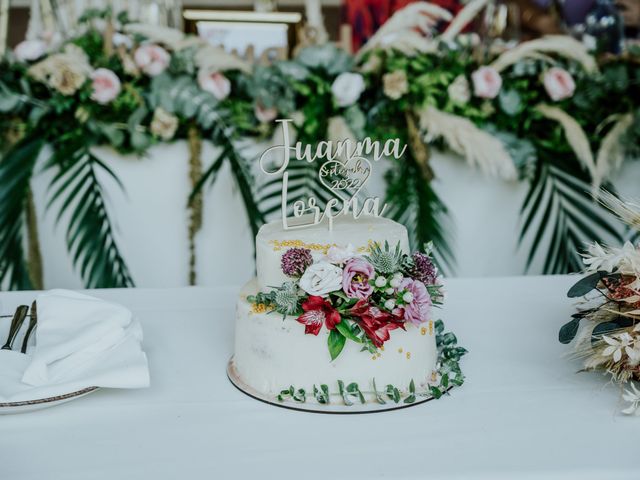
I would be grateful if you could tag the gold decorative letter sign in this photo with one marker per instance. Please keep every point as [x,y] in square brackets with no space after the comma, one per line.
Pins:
[345,172]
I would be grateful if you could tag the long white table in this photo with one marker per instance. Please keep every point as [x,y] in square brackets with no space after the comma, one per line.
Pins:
[523,413]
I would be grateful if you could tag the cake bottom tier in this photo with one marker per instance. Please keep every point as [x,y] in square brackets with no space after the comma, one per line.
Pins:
[272,354]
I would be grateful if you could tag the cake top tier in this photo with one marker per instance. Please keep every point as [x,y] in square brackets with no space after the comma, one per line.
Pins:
[273,241]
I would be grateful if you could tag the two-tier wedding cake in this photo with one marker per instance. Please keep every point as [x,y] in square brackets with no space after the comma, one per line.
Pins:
[341,313]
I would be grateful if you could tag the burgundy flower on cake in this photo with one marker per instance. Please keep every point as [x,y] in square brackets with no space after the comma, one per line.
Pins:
[424,270]
[418,301]
[317,311]
[295,261]
[376,323]
[355,278]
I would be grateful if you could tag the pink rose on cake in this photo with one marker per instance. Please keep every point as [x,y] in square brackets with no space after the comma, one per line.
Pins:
[487,82]
[318,311]
[321,278]
[416,300]
[355,278]
[559,84]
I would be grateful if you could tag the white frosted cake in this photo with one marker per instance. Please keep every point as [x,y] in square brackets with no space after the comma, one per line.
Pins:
[333,309]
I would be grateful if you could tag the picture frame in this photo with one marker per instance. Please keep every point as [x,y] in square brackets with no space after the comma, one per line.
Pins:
[259,37]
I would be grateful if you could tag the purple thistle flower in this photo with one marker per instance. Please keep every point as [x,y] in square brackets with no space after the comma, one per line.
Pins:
[423,269]
[295,261]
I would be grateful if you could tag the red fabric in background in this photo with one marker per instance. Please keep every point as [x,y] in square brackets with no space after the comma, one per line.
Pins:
[366,16]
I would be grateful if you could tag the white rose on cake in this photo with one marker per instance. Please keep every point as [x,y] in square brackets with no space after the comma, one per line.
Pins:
[321,278]
[339,255]
[346,88]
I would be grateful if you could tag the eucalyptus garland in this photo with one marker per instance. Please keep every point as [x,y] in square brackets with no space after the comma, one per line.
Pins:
[447,375]
[131,86]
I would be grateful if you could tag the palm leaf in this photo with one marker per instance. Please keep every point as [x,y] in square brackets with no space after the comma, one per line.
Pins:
[16,170]
[560,217]
[76,190]
[414,203]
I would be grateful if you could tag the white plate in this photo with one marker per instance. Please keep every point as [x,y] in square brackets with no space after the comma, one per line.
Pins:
[369,407]
[38,404]
[29,405]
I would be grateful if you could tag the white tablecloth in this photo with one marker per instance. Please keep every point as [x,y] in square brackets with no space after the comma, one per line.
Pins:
[522,414]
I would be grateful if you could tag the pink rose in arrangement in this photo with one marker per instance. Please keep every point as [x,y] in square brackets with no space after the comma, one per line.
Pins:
[215,83]
[106,86]
[559,84]
[355,278]
[487,82]
[265,115]
[417,300]
[152,59]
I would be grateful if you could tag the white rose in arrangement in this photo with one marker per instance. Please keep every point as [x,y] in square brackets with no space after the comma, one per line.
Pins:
[559,84]
[120,39]
[163,124]
[487,82]
[339,255]
[346,88]
[321,278]
[395,84]
[106,86]
[30,50]
[459,91]
[215,83]
[152,59]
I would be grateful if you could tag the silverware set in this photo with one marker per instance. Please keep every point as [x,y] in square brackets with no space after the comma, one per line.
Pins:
[18,319]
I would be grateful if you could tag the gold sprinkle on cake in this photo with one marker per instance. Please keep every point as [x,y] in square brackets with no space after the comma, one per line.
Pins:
[260,308]
[400,350]
[423,331]
[430,327]
[408,355]
[316,247]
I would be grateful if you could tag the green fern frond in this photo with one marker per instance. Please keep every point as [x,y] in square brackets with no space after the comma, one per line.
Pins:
[560,217]
[76,190]
[415,204]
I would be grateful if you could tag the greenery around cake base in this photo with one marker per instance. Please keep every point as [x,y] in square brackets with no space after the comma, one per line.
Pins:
[448,375]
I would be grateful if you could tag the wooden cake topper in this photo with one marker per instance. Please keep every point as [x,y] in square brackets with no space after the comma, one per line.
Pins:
[345,172]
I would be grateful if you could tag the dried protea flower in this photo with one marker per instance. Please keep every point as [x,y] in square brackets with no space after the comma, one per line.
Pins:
[295,261]
[421,268]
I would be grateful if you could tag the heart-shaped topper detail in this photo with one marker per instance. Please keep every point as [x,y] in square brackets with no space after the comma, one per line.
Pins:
[345,179]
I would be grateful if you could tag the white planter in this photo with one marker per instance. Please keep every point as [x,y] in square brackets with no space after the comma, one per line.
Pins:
[151,221]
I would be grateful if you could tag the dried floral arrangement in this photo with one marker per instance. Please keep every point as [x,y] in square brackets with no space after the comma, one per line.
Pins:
[606,329]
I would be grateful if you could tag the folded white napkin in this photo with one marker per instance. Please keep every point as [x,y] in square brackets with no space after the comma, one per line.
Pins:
[80,342]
